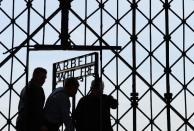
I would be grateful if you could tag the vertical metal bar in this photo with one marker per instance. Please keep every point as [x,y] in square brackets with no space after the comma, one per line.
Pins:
[117,73]
[168,95]
[54,77]
[96,64]
[101,5]
[134,94]
[85,39]
[151,71]
[12,66]
[85,87]
[44,16]
[184,66]
[29,37]
[151,81]
[85,28]
[29,4]
[65,5]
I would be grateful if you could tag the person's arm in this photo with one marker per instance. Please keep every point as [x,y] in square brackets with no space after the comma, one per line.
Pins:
[113,102]
[36,102]
[65,112]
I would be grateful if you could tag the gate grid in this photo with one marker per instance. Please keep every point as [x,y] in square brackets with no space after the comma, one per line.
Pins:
[151,75]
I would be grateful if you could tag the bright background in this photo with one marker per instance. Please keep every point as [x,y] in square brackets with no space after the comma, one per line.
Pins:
[150,39]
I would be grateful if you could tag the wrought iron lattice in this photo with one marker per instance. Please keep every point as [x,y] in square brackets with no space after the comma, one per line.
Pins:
[150,75]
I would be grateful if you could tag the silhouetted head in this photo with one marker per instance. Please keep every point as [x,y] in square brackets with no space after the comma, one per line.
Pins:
[97,86]
[71,86]
[39,76]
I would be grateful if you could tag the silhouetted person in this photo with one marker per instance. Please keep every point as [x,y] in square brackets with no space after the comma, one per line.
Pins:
[93,110]
[57,108]
[32,98]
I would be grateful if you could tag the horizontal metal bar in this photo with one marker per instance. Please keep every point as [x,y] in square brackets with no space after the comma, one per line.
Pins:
[29,37]
[75,47]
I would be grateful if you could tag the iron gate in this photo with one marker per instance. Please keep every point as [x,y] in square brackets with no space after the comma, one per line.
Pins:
[145,46]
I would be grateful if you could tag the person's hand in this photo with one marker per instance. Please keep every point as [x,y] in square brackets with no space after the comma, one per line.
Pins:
[113,102]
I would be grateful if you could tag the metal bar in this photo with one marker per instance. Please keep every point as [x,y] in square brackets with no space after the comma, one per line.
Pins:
[151,67]
[29,4]
[30,37]
[134,94]
[77,47]
[167,95]
[96,65]
[54,76]
[116,54]
[65,6]
[117,68]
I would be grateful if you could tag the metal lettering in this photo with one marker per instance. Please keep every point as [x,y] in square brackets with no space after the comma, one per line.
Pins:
[73,63]
[65,65]
[58,68]
[88,70]
[76,67]
[80,60]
